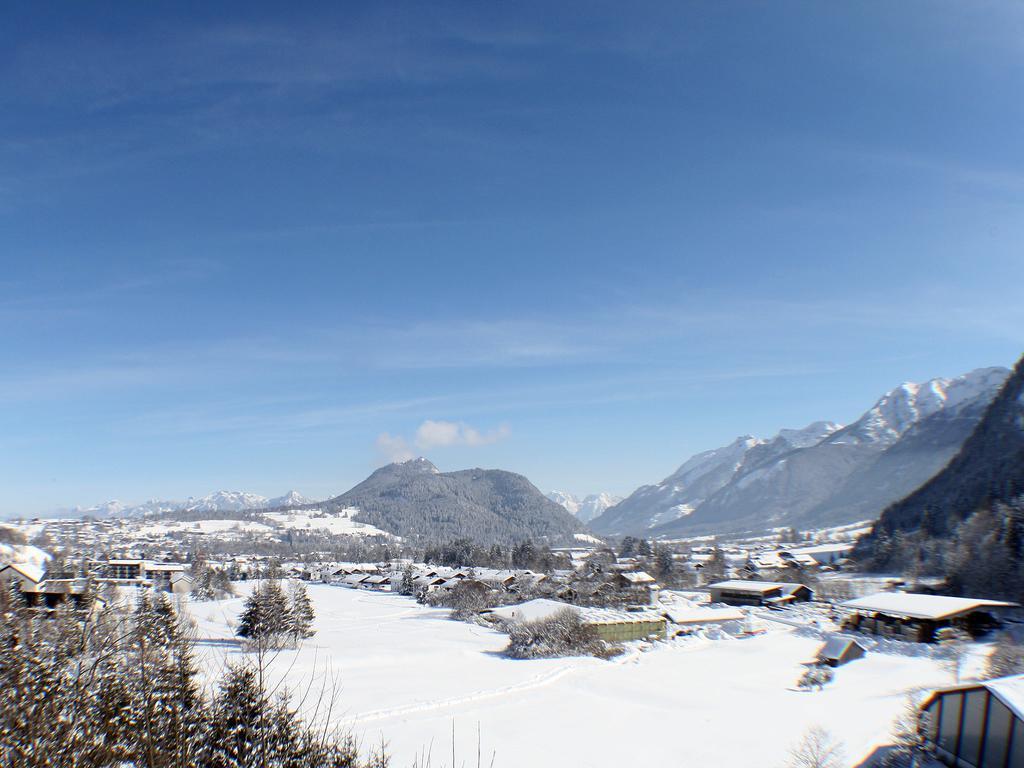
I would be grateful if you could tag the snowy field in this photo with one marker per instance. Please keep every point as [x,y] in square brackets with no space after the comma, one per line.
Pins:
[408,674]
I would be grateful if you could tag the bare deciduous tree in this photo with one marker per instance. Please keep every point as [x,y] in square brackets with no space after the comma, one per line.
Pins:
[817,749]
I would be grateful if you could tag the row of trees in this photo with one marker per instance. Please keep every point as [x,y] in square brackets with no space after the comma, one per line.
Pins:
[525,554]
[272,618]
[120,687]
[984,556]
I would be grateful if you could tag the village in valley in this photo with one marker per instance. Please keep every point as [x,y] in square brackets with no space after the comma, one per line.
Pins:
[700,625]
[512,385]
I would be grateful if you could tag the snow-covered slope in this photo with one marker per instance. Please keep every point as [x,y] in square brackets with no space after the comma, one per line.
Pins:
[700,477]
[586,508]
[822,474]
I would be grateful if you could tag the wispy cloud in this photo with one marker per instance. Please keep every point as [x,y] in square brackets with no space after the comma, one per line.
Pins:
[433,434]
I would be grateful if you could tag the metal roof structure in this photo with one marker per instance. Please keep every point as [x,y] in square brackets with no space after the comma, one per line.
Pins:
[1009,690]
[910,605]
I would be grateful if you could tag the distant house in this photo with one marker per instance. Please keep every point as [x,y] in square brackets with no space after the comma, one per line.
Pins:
[767,593]
[139,572]
[123,569]
[839,650]
[612,626]
[702,616]
[638,580]
[376,581]
[53,593]
[180,583]
[160,574]
[980,725]
[914,617]
[26,575]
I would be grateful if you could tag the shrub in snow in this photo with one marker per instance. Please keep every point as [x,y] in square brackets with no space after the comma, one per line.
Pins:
[560,635]
[466,599]
[909,735]
[1007,658]
[817,676]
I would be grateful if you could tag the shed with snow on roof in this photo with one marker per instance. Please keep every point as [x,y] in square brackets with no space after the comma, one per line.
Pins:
[839,650]
[980,725]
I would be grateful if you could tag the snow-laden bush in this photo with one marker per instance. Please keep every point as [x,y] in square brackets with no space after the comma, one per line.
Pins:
[562,634]
[817,676]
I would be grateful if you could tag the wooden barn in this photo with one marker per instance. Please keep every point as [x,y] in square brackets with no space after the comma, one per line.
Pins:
[914,617]
[767,593]
[980,725]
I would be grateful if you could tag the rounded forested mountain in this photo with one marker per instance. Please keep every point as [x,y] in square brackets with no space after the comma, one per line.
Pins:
[413,499]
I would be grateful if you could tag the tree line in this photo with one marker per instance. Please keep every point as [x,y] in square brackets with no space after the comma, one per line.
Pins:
[120,686]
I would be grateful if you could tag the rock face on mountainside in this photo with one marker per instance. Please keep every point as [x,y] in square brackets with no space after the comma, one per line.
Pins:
[587,508]
[821,475]
[989,468]
[413,499]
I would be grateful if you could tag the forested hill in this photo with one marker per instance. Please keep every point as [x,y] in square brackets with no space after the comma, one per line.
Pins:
[414,500]
[977,496]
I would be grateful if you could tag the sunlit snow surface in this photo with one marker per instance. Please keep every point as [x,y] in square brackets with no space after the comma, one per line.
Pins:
[407,673]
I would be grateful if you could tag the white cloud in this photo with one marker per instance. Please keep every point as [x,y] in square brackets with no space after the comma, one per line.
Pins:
[441,434]
[394,447]
[436,434]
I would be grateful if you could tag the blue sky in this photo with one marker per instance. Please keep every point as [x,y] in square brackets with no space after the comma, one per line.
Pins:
[259,249]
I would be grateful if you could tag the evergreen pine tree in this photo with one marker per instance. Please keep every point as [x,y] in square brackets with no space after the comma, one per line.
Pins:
[301,611]
[408,585]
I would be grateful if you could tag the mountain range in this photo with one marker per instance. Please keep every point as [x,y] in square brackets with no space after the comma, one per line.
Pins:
[413,499]
[219,501]
[988,469]
[823,474]
[584,508]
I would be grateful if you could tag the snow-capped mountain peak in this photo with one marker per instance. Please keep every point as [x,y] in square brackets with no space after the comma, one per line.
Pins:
[225,501]
[290,499]
[909,403]
[586,508]
[823,471]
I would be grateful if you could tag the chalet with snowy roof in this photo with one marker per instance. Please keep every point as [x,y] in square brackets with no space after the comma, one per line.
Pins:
[634,580]
[764,593]
[917,618]
[27,576]
[53,593]
[980,725]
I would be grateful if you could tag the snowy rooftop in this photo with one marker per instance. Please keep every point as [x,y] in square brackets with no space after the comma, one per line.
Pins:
[532,610]
[835,646]
[915,606]
[747,586]
[542,608]
[704,615]
[28,570]
[1011,691]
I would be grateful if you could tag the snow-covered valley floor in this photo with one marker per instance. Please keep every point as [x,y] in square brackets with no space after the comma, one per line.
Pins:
[406,673]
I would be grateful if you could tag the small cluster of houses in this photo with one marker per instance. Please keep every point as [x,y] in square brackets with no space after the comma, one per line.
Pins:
[40,590]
